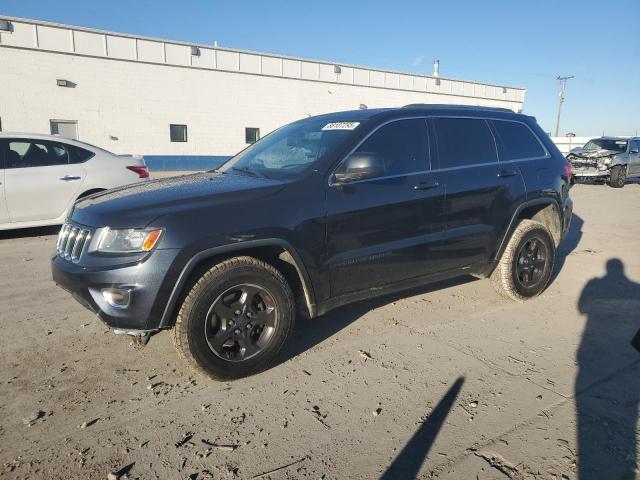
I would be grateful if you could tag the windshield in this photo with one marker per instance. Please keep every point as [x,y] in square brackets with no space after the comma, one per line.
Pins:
[290,150]
[604,144]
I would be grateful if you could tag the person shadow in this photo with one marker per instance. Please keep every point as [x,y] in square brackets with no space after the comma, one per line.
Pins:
[607,388]
[407,464]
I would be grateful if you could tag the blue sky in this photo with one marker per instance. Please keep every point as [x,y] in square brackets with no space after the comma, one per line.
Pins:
[508,42]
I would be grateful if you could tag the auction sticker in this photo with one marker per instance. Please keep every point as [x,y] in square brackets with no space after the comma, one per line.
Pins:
[341,126]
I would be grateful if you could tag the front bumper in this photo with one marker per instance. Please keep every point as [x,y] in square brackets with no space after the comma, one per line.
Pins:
[590,172]
[143,279]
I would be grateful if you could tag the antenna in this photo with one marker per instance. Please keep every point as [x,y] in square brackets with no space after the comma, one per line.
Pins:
[563,83]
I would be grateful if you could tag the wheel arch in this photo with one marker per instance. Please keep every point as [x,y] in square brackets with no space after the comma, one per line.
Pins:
[89,191]
[544,210]
[274,251]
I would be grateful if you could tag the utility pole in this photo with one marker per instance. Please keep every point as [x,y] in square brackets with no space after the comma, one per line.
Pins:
[563,84]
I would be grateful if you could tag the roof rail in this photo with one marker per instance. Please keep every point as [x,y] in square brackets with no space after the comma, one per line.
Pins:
[442,105]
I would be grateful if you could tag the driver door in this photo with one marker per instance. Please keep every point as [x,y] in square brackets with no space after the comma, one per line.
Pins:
[382,230]
[634,157]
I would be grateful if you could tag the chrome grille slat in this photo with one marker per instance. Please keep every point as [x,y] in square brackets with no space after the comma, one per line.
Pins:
[72,241]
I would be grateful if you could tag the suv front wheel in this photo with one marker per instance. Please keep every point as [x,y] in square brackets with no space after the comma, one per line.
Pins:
[526,265]
[235,319]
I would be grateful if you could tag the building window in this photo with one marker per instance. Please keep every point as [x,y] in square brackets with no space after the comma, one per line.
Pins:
[178,133]
[251,135]
[64,128]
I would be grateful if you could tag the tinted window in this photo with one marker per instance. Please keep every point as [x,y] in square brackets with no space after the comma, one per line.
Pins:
[178,133]
[518,140]
[464,141]
[78,155]
[251,135]
[634,146]
[402,146]
[25,153]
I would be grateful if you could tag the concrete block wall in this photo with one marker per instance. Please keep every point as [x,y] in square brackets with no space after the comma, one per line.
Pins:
[127,90]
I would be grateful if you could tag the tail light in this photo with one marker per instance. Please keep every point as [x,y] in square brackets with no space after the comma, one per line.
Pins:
[141,170]
[568,170]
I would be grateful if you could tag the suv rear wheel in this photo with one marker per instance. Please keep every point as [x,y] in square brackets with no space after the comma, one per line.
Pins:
[235,319]
[618,176]
[527,263]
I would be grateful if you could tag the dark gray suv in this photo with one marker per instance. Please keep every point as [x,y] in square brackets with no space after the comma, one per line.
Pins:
[323,212]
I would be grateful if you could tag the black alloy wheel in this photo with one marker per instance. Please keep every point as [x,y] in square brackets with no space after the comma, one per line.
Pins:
[241,322]
[531,262]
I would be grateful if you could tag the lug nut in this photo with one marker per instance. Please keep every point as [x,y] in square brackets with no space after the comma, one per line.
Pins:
[249,326]
[237,331]
[231,323]
[237,312]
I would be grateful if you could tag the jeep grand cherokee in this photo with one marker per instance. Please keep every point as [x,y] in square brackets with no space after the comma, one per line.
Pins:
[322,212]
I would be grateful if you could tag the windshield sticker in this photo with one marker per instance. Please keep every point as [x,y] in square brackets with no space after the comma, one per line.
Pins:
[341,126]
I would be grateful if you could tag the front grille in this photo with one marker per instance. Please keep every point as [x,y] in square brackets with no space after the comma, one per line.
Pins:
[71,242]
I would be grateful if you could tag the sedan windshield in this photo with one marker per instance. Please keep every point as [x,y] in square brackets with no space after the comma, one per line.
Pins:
[290,150]
[606,144]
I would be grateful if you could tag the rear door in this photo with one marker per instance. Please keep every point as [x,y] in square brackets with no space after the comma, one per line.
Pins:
[481,191]
[377,229]
[40,183]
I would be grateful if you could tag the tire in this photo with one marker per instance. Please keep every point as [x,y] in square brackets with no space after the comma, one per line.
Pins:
[618,176]
[210,313]
[509,277]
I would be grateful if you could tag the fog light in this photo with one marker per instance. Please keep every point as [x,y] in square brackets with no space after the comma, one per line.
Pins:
[117,297]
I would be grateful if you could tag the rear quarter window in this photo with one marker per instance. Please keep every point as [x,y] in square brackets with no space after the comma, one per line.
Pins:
[78,155]
[518,141]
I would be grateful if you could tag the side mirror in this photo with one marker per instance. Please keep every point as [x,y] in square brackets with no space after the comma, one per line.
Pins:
[360,166]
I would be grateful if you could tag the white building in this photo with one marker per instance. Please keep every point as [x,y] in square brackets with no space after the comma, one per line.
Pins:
[123,92]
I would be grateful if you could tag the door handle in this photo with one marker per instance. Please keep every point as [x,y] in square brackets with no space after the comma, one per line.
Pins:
[68,178]
[426,185]
[507,173]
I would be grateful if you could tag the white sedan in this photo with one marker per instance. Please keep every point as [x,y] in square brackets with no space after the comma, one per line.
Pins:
[41,176]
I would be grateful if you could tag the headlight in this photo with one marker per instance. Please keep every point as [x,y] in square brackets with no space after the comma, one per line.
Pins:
[607,161]
[128,240]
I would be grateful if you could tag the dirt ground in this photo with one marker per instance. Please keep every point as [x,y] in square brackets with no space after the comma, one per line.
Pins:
[448,382]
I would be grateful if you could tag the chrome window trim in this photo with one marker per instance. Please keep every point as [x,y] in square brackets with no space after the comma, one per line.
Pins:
[414,117]
[444,169]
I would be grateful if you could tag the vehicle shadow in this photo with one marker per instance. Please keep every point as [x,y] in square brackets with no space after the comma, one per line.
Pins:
[568,245]
[29,232]
[311,332]
[607,388]
[407,464]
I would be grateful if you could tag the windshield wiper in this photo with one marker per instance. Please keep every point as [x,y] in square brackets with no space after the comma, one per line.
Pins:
[249,172]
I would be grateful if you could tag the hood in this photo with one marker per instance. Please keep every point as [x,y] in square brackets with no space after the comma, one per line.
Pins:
[581,152]
[138,204]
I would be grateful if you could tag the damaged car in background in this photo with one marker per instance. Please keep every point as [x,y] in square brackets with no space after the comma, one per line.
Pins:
[611,159]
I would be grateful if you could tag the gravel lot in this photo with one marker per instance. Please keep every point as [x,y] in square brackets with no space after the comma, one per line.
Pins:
[448,382]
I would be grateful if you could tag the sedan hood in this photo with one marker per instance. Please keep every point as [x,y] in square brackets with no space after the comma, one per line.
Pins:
[137,205]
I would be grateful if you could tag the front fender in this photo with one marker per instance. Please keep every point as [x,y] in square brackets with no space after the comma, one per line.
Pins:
[182,272]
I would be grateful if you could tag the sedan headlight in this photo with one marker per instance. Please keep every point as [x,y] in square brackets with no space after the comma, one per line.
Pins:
[129,240]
